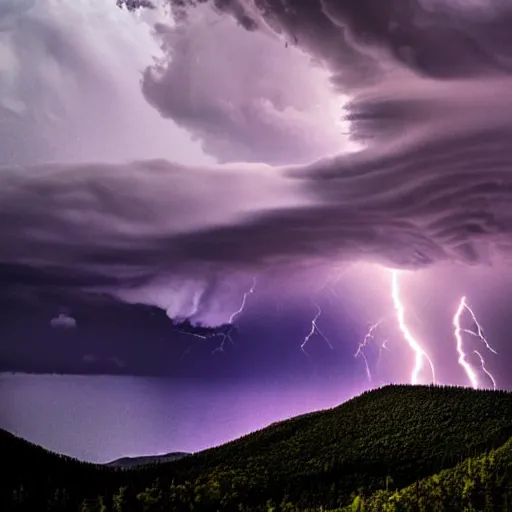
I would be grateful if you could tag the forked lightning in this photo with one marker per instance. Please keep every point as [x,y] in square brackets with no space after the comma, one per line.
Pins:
[315,329]
[479,333]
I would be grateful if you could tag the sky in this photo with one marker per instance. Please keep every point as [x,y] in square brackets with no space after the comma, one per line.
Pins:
[292,181]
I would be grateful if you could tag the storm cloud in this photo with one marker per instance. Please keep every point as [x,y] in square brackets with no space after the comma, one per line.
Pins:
[259,100]
[428,103]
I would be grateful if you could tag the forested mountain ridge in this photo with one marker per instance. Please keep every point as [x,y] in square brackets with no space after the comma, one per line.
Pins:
[482,483]
[391,437]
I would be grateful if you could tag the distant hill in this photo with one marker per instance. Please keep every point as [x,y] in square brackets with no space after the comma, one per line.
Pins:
[131,462]
[392,437]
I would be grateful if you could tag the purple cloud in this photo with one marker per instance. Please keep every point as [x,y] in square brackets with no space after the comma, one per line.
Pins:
[430,181]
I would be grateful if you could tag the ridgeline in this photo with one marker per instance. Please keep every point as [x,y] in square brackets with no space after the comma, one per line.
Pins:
[397,448]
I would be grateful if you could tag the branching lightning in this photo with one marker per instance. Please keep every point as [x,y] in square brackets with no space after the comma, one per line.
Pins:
[474,371]
[367,338]
[484,369]
[225,336]
[420,354]
[472,376]
[479,333]
[244,299]
[366,365]
[479,330]
[315,329]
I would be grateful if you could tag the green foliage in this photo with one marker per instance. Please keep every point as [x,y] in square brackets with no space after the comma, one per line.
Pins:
[356,504]
[120,500]
[356,455]
[477,484]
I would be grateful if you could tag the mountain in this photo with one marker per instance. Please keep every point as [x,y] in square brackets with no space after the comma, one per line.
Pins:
[390,438]
[131,462]
[477,483]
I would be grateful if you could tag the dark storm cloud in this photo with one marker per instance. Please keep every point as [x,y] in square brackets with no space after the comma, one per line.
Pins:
[430,97]
[112,226]
[412,203]
[364,44]
[436,38]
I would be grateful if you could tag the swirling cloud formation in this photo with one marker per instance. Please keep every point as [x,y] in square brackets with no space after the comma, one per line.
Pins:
[423,87]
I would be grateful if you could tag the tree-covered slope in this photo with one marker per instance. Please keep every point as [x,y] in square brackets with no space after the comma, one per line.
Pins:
[482,483]
[394,434]
[30,472]
[406,432]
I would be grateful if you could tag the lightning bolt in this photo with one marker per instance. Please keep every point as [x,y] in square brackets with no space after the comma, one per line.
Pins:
[314,329]
[479,330]
[484,369]
[472,376]
[366,366]
[244,299]
[418,350]
[479,333]
[192,334]
[225,336]
[367,338]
